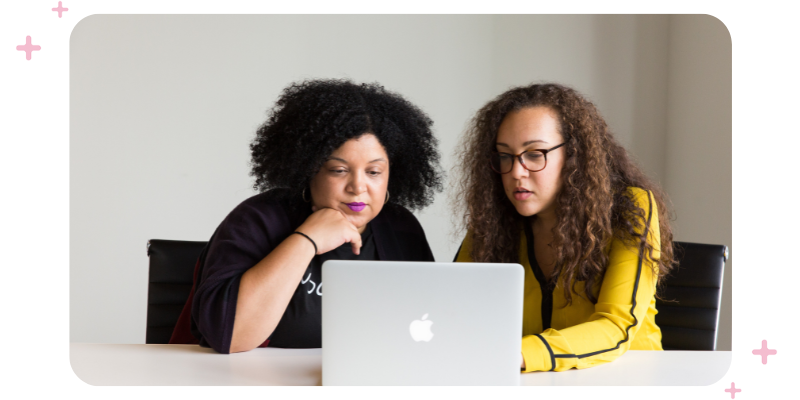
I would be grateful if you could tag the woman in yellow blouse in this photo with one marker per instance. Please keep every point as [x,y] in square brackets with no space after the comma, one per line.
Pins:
[545,184]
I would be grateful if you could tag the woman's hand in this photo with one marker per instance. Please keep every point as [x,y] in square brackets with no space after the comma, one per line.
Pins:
[266,289]
[329,229]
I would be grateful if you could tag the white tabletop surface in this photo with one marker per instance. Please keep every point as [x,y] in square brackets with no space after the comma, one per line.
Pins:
[163,364]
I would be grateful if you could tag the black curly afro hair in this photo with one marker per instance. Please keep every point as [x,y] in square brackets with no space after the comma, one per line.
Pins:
[313,118]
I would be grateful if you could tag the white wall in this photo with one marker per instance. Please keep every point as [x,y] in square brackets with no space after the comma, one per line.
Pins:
[163,109]
[698,152]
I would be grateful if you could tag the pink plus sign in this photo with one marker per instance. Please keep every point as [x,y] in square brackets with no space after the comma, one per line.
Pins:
[733,390]
[28,47]
[60,9]
[764,352]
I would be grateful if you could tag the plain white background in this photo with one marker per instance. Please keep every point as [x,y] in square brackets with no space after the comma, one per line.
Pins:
[162,109]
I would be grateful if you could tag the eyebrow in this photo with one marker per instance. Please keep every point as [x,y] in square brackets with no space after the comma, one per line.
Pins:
[345,161]
[528,143]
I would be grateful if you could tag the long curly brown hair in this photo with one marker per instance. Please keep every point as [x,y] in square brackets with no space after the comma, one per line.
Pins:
[593,205]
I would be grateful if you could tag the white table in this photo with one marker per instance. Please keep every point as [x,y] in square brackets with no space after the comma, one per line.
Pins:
[164,364]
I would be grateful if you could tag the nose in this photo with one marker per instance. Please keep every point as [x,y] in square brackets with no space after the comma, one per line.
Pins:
[518,171]
[358,183]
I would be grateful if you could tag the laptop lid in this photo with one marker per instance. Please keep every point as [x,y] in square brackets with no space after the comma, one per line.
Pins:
[421,323]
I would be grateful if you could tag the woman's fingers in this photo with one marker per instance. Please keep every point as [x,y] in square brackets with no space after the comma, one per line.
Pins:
[354,238]
[330,228]
[356,242]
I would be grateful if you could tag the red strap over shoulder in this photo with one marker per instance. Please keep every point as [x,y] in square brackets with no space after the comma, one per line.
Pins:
[182,334]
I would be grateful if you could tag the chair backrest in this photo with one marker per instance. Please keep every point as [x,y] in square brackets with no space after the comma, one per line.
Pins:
[688,315]
[171,272]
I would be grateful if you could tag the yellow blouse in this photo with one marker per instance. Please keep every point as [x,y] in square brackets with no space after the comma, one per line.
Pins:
[583,334]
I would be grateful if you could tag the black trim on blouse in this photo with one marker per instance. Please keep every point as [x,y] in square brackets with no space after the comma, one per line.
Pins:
[544,285]
[458,251]
[549,350]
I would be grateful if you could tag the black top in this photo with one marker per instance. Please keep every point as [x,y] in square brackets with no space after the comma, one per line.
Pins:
[300,325]
[250,232]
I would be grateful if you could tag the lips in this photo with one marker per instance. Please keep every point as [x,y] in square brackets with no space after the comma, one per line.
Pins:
[521,193]
[357,206]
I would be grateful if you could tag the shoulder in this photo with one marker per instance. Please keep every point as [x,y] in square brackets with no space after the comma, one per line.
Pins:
[270,198]
[274,207]
[400,218]
[642,198]
[256,226]
[647,220]
[275,199]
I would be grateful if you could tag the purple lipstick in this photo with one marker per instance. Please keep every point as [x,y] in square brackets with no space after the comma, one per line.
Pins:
[357,207]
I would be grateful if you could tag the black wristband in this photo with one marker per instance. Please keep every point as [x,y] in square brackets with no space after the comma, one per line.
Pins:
[311,240]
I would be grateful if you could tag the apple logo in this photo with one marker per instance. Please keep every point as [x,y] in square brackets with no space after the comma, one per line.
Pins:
[421,329]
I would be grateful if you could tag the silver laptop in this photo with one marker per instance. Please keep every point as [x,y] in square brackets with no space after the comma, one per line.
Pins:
[421,323]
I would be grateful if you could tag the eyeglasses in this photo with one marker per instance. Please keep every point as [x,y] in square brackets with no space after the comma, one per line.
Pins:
[532,160]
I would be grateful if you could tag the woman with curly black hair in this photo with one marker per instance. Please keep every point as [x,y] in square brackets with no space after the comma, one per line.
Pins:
[338,164]
[546,185]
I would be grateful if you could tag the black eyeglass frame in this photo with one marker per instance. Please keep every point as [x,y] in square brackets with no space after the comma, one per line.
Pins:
[521,162]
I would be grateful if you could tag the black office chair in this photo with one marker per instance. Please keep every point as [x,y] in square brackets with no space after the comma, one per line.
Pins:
[171,273]
[688,315]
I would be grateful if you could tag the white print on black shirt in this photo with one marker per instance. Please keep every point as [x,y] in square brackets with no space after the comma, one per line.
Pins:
[313,285]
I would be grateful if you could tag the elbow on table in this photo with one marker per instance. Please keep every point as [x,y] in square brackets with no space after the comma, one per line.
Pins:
[246,341]
[216,340]
[238,347]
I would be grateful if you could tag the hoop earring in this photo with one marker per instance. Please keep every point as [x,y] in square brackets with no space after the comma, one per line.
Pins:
[387,197]
[304,195]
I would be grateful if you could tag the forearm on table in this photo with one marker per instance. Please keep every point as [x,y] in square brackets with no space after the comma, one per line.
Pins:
[607,335]
[265,291]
